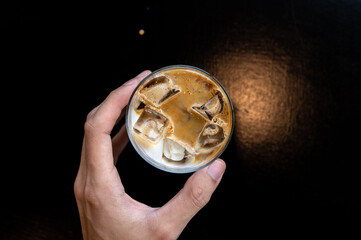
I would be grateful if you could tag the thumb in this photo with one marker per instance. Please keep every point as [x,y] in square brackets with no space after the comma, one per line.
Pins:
[193,197]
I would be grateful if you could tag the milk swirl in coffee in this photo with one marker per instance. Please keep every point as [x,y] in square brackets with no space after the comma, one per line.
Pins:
[180,119]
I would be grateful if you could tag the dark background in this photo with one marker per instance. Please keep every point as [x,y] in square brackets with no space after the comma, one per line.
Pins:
[292,69]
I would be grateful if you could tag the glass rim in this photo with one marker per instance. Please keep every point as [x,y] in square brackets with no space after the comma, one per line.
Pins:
[158,165]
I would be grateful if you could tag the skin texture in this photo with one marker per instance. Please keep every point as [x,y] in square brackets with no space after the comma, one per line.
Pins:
[106,210]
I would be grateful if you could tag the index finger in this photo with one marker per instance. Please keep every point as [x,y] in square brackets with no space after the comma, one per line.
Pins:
[98,144]
[109,110]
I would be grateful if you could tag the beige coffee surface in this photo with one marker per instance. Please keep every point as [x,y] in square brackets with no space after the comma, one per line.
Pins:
[186,124]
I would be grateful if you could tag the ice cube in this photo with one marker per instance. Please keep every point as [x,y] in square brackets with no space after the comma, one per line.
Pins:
[211,136]
[211,108]
[173,150]
[151,125]
[158,90]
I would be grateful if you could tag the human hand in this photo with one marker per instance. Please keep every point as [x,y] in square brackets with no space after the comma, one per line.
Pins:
[106,211]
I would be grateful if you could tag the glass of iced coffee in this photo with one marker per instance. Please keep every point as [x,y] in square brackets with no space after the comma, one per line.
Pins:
[180,119]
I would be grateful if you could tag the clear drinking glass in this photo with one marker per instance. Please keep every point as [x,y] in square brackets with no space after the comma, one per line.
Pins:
[180,119]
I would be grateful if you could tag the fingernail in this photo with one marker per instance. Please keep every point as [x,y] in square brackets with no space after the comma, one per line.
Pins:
[139,77]
[216,170]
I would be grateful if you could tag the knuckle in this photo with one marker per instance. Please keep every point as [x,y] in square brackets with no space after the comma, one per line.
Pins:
[164,232]
[90,196]
[90,114]
[199,196]
[89,126]
[77,189]
[77,186]
[160,229]
[112,95]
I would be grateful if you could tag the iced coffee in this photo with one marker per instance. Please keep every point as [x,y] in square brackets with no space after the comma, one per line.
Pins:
[179,118]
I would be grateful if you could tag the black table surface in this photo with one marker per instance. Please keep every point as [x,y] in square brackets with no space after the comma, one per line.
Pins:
[292,69]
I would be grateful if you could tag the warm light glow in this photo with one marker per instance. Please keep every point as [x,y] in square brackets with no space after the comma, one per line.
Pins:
[258,86]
